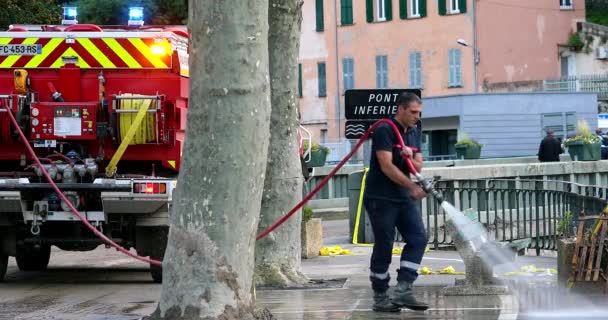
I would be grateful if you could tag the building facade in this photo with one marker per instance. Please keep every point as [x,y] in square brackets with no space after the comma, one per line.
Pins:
[444,47]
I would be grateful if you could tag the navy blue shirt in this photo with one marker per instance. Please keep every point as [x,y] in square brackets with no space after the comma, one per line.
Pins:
[377,184]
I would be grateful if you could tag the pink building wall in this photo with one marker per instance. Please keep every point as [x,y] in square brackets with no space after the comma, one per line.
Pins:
[518,39]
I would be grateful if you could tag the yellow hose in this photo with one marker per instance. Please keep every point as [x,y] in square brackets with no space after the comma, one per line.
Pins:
[146,132]
[359,209]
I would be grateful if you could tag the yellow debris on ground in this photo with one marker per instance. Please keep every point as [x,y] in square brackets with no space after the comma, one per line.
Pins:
[334,251]
[397,251]
[426,271]
[447,270]
[529,269]
[450,270]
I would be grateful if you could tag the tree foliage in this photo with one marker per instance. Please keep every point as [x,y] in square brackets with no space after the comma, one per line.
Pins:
[101,12]
[115,12]
[30,12]
[597,11]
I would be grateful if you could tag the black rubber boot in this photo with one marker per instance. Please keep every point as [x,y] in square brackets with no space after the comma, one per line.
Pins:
[382,303]
[404,297]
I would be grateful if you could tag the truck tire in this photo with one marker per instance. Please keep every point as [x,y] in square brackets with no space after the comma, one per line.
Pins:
[3,265]
[157,244]
[157,273]
[29,259]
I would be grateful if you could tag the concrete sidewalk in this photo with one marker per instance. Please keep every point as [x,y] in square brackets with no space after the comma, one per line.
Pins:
[104,285]
[354,300]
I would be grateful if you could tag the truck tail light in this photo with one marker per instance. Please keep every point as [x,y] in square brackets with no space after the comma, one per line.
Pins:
[150,187]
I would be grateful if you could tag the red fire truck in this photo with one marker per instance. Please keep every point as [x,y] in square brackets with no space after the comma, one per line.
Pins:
[104,109]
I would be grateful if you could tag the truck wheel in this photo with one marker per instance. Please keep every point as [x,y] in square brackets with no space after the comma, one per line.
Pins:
[3,265]
[157,273]
[157,252]
[29,259]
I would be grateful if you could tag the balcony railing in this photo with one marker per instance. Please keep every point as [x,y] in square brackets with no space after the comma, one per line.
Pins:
[597,83]
[583,83]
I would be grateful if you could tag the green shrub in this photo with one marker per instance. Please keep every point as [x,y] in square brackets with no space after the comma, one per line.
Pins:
[465,140]
[564,224]
[307,214]
[316,147]
[575,41]
[583,134]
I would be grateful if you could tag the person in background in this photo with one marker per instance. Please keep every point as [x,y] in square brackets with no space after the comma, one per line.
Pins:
[550,148]
[604,142]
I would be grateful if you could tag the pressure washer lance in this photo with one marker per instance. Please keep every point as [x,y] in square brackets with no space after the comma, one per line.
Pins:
[469,235]
[428,185]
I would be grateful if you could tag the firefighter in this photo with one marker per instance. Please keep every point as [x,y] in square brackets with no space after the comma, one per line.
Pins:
[390,200]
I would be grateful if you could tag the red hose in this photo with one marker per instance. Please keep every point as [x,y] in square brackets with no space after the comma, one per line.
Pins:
[63,197]
[335,170]
[260,236]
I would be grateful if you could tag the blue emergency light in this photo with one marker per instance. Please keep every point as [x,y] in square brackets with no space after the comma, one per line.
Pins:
[69,15]
[136,16]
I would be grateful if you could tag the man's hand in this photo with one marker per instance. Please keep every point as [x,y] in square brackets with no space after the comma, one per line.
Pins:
[407,151]
[417,193]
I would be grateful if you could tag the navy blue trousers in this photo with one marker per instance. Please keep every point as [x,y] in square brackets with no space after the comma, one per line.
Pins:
[385,216]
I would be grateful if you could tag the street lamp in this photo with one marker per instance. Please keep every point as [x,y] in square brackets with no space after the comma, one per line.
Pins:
[464,43]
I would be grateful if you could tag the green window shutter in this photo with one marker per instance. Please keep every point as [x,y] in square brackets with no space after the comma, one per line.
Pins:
[322,79]
[403,9]
[300,80]
[369,10]
[422,8]
[319,7]
[346,12]
[462,6]
[443,9]
[388,9]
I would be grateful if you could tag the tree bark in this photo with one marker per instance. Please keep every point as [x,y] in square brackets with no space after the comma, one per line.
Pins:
[278,256]
[209,262]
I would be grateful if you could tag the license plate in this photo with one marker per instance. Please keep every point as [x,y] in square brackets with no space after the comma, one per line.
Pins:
[20,49]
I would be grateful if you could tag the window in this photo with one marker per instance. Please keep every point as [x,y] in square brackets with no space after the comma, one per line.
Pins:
[381,10]
[416,70]
[321,79]
[565,4]
[454,6]
[381,72]
[346,12]
[348,73]
[319,10]
[415,8]
[455,77]
[300,80]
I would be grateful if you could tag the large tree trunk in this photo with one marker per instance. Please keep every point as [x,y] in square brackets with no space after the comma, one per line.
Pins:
[209,262]
[278,255]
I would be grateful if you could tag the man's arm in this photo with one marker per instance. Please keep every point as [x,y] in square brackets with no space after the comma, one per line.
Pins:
[385,159]
[417,161]
[540,151]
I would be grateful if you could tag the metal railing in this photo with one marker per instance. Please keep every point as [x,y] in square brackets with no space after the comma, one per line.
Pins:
[581,83]
[513,209]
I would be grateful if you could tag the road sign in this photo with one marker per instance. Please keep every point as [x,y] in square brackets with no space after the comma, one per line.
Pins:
[363,107]
[372,104]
